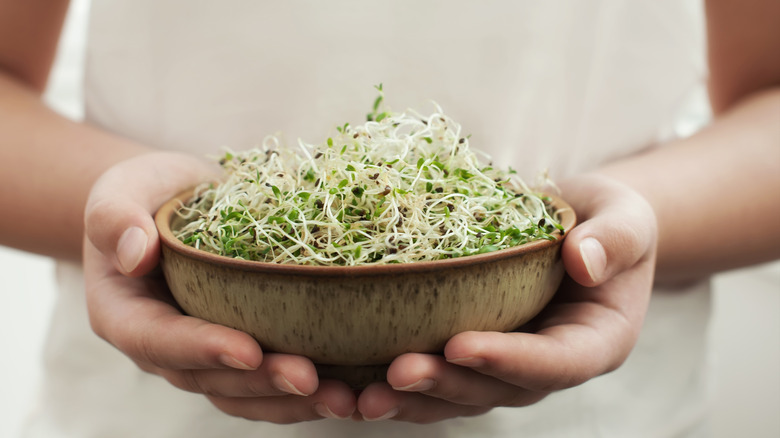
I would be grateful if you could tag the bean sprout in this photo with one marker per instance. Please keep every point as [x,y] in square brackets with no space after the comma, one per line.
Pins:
[400,188]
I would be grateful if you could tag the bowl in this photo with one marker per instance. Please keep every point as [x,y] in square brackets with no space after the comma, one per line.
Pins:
[352,321]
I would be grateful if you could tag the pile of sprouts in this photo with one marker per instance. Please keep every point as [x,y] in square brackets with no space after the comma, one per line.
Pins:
[400,188]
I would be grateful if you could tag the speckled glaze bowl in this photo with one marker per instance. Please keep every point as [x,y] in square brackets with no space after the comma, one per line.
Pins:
[353,321]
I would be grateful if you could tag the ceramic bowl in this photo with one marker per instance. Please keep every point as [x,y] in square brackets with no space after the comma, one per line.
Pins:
[353,321]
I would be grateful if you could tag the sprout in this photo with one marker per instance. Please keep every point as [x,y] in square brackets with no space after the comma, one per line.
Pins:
[400,188]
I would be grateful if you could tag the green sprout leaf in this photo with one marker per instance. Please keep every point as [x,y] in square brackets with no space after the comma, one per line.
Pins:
[404,188]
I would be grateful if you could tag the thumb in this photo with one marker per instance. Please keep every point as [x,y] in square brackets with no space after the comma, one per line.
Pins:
[118,215]
[618,229]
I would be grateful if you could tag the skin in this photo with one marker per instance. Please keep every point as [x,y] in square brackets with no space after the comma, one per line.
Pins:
[631,234]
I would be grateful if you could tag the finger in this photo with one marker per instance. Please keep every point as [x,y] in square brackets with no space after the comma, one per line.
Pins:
[380,402]
[584,333]
[433,376]
[125,233]
[332,400]
[128,313]
[617,230]
[559,357]
[280,374]
[118,215]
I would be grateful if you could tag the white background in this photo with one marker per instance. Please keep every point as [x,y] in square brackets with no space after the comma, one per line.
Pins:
[745,334]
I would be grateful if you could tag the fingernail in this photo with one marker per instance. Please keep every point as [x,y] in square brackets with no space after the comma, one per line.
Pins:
[281,383]
[131,248]
[232,362]
[324,411]
[594,257]
[472,361]
[386,416]
[418,386]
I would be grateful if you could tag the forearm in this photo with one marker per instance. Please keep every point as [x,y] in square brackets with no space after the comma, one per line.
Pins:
[47,166]
[716,193]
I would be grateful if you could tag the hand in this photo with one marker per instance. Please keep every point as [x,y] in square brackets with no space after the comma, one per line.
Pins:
[587,330]
[131,308]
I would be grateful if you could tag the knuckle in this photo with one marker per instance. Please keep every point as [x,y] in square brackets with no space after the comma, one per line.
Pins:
[310,414]
[521,399]
[617,362]
[143,349]
[140,347]
[92,211]
[568,379]
[98,328]
[625,235]
[514,399]
[97,213]
[188,380]
[478,410]
[456,393]
[148,368]
[265,410]
[231,407]
[422,416]
[259,387]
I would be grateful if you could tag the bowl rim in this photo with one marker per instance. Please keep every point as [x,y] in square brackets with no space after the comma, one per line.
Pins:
[164,216]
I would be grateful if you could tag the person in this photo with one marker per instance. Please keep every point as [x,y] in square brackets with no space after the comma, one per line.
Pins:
[581,89]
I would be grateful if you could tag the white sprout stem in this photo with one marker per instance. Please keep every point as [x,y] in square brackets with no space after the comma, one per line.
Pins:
[400,188]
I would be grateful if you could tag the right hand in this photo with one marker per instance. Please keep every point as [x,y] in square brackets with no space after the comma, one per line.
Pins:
[130,306]
[587,330]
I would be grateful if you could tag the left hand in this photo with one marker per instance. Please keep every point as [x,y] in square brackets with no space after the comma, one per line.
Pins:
[587,330]
[131,307]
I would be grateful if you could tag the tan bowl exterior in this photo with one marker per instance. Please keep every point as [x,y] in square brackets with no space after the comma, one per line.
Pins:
[363,315]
